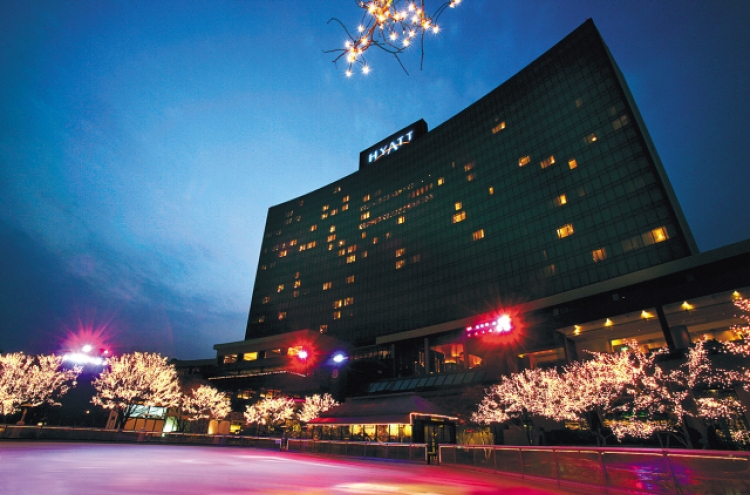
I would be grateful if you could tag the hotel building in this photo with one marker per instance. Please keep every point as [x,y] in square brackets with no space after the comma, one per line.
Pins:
[537,223]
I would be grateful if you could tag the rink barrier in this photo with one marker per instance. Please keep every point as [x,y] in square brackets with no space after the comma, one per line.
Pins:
[53,433]
[414,452]
[612,470]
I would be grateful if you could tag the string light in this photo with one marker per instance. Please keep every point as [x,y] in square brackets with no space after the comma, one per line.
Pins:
[390,25]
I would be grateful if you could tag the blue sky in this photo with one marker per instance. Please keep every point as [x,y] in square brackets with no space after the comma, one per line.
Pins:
[141,143]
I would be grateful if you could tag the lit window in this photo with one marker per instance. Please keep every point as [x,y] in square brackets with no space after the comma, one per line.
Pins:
[374,240]
[441,181]
[282,253]
[332,229]
[261,319]
[345,207]
[302,247]
[338,304]
[289,213]
[400,264]
[298,218]
[458,205]
[330,247]
[365,215]
[660,234]
[311,245]
[565,230]
[282,315]
[548,161]
[364,235]
[364,254]
[351,258]
[479,234]
[325,208]
[471,177]
[468,166]
[296,275]
[350,279]
[342,251]
[324,216]
[280,288]
[342,242]
[499,127]
[345,199]
[348,301]
[599,254]
[492,190]
[459,217]
[287,221]
[250,356]
[297,283]
[579,102]
[572,163]
[334,211]
[295,293]
[313,228]
[266,299]
[337,189]
[263,267]
[337,315]
[230,358]
[400,252]
[366,198]
[621,122]
[351,248]
[401,219]
[561,200]
[323,328]
[293,242]
[524,160]
[591,138]
[331,237]
[327,285]
[416,258]
[549,270]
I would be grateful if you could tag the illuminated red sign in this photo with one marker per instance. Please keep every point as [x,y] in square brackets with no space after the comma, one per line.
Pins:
[497,326]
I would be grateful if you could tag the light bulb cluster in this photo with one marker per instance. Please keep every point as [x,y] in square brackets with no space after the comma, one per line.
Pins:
[500,325]
[392,26]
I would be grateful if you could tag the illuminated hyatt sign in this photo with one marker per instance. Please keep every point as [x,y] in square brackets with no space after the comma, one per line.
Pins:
[392,143]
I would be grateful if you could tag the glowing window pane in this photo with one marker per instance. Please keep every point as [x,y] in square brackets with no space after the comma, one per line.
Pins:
[660,234]
[365,215]
[547,161]
[441,181]
[327,285]
[351,258]
[401,219]
[561,200]
[337,315]
[524,160]
[565,230]
[282,315]
[280,288]
[350,279]
[572,163]
[479,234]
[499,127]
[313,228]
[250,356]
[459,217]
[599,254]
[400,264]
[458,205]
[400,252]
[266,300]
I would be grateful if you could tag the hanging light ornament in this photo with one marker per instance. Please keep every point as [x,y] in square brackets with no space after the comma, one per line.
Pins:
[392,26]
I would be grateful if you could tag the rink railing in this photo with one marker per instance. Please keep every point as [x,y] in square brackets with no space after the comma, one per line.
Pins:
[416,452]
[612,470]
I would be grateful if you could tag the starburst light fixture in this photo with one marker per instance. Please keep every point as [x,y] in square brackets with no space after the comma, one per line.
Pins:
[392,26]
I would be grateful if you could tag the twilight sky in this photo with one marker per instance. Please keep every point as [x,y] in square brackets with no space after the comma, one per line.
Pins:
[141,143]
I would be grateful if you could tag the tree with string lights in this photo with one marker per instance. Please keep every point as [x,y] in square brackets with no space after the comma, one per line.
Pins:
[315,405]
[135,381]
[270,413]
[205,403]
[30,381]
[390,25]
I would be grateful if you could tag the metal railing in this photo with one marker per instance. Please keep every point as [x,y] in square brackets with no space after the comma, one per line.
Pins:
[13,432]
[613,470]
[416,452]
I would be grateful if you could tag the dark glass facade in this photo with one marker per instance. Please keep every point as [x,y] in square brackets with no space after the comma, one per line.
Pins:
[547,184]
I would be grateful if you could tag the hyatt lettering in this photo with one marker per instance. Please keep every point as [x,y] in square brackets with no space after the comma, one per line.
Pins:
[387,149]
